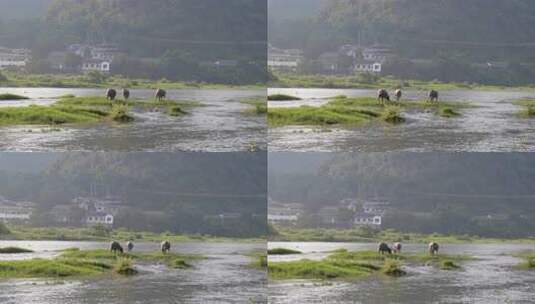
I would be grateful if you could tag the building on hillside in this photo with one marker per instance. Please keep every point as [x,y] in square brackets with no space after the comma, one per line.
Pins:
[284,214]
[284,60]
[99,218]
[99,65]
[377,53]
[375,207]
[11,211]
[14,58]
[365,66]
[108,204]
[366,219]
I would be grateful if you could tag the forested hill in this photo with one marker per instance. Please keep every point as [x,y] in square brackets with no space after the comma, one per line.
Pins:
[162,191]
[23,9]
[429,192]
[484,28]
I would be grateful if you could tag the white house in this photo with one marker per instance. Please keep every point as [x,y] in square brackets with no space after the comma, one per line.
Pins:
[15,211]
[367,220]
[98,218]
[96,65]
[14,58]
[284,60]
[368,67]
[378,53]
[375,207]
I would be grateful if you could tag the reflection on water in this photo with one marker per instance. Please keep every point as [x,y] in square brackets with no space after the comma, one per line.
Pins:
[219,125]
[224,277]
[489,279]
[491,126]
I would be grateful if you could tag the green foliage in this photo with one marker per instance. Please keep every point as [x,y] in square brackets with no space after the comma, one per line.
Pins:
[8,96]
[323,116]
[42,268]
[392,268]
[282,251]
[448,112]
[11,250]
[3,78]
[124,266]
[48,115]
[176,111]
[119,113]
[4,230]
[259,105]
[448,265]
[282,97]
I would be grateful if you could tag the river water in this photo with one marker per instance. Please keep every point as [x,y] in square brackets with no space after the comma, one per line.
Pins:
[489,279]
[218,126]
[489,127]
[223,277]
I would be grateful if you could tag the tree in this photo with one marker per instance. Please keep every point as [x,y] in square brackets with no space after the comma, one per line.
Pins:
[72,61]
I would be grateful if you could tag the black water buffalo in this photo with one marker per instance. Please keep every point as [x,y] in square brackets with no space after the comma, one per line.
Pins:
[382,95]
[129,245]
[397,247]
[165,246]
[111,94]
[398,95]
[126,94]
[115,246]
[433,248]
[433,96]
[160,94]
[383,248]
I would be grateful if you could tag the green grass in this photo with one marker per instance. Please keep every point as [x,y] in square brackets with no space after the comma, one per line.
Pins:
[341,110]
[119,113]
[448,112]
[13,250]
[42,268]
[291,234]
[124,266]
[528,108]
[292,80]
[176,111]
[20,232]
[528,258]
[49,115]
[258,105]
[344,264]
[282,97]
[8,96]
[282,251]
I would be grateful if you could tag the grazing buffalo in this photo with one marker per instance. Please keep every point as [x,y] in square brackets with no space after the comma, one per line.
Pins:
[111,94]
[126,94]
[160,94]
[383,248]
[433,248]
[165,246]
[397,247]
[115,246]
[433,96]
[382,95]
[398,95]
[129,246]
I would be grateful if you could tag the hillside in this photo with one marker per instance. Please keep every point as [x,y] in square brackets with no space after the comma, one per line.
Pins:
[447,193]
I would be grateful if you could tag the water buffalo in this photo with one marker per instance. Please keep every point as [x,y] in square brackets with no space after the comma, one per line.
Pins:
[126,94]
[382,95]
[160,94]
[111,94]
[115,246]
[165,246]
[398,95]
[433,96]
[397,247]
[433,248]
[383,248]
[129,246]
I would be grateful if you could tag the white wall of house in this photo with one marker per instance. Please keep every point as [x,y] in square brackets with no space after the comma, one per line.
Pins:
[94,219]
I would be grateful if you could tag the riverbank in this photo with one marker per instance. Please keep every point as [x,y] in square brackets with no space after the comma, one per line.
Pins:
[106,81]
[286,234]
[97,234]
[343,264]
[341,110]
[284,80]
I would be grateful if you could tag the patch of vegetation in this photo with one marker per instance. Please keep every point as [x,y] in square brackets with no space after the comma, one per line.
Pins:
[392,268]
[528,108]
[13,250]
[124,266]
[448,112]
[176,111]
[259,105]
[325,269]
[448,265]
[42,268]
[323,116]
[49,115]
[282,251]
[282,97]
[8,96]
[119,113]
[391,114]
[528,260]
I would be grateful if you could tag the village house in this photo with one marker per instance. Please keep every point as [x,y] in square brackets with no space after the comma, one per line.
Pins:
[283,214]
[99,218]
[366,219]
[95,57]
[99,65]
[11,211]
[367,67]
[284,60]
[14,58]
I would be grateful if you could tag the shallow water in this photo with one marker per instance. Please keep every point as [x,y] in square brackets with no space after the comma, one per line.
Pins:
[489,127]
[224,277]
[218,126]
[489,279]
